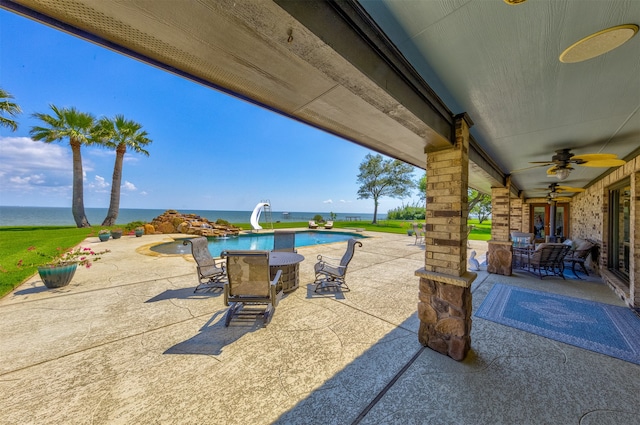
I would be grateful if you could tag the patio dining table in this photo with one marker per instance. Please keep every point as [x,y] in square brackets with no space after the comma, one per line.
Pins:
[289,263]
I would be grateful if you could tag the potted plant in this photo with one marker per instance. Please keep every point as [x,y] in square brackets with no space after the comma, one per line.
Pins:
[139,231]
[116,233]
[59,270]
[104,235]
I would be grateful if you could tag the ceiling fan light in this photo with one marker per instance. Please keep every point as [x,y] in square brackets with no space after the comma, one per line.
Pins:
[562,173]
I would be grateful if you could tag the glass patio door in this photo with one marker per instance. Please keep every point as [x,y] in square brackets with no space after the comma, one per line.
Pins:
[540,215]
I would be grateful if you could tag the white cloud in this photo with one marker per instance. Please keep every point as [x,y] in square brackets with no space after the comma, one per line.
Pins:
[345,202]
[21,155]
[33,167]
[328,201]
[100,182]
[98,185]
[129,186]
[143,193]
[33,179]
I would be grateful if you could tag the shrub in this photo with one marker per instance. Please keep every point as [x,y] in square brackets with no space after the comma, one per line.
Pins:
[131,226]
[407,212]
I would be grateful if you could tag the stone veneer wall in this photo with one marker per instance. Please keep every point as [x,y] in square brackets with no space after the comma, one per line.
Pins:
[445,316]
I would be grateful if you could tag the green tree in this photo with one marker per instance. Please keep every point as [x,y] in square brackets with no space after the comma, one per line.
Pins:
[120,134]
[10,108]
[379,177]
[422,188]
[77,127]
[479,204]
[474,197]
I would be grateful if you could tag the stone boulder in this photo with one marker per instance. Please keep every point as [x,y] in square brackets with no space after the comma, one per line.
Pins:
[172,221]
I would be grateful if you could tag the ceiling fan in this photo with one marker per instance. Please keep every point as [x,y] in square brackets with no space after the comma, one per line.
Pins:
[555,190]
[562,160]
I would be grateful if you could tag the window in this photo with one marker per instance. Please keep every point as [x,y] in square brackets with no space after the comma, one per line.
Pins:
[619,225]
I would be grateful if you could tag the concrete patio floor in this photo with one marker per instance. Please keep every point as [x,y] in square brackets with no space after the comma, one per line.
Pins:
[128,342]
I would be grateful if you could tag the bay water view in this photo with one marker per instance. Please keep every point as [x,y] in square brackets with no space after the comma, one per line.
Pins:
[58,216]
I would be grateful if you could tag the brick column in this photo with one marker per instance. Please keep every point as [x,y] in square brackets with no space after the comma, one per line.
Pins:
[499,248]
[515,215]
[444,308]
[634,237]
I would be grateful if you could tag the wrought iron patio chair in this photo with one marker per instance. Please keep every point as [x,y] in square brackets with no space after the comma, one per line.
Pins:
[211,272]
[328,225]
[547,258]
[312,224]
[332,274]
[579,256]
[284,240]
[249,283]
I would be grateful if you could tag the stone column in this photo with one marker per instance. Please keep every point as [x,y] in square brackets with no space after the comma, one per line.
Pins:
[499,248]
[444,308]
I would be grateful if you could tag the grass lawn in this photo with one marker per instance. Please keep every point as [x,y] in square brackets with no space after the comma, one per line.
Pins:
[17,263]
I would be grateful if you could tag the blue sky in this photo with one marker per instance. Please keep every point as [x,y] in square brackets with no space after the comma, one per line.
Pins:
[210,151]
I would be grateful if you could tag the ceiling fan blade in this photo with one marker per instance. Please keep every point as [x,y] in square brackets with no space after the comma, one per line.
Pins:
[552,171]
[594,157]
[569,189]
[604,163]
[542,162]
[562,199]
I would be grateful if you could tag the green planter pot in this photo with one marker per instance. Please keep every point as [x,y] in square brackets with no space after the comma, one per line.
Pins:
[116,235]
[139,233]
[104,237]
[57,277]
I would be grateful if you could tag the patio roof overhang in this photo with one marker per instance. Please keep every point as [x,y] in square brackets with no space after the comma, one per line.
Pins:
[391,76]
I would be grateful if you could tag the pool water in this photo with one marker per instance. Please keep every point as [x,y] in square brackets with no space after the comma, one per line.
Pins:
[256,241]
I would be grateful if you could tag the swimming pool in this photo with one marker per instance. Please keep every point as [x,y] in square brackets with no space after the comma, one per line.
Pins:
[256,241]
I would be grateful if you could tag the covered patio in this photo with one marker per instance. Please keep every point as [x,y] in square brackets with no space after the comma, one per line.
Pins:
[471,91]
[129,342]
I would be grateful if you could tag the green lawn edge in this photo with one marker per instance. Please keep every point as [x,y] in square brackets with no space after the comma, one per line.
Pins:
[18,263]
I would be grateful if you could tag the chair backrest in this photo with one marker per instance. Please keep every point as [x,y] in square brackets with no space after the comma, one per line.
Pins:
[284,240]
[521,238]
[202,255]
[248,273]
[584,249]
[549,253]
[348,255]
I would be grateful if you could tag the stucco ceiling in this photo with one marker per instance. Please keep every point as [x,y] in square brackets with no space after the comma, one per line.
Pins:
[390,75]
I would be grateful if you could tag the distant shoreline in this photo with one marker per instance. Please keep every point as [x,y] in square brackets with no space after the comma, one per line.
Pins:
[61,216]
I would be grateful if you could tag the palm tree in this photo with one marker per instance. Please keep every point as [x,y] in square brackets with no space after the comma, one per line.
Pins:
[10,108]
[120,134]
[78,127]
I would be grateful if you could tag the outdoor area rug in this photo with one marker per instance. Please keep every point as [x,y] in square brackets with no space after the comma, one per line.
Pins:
[603,328]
